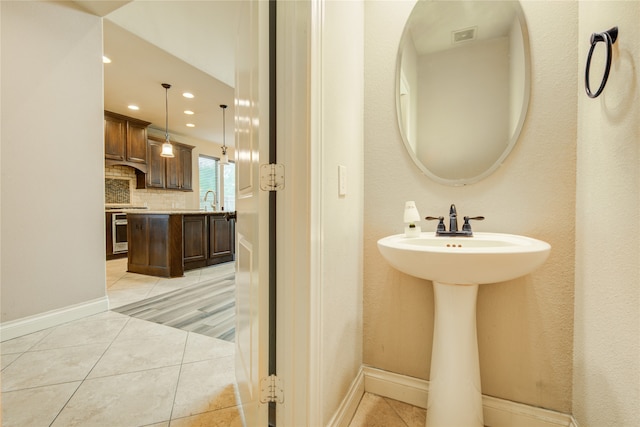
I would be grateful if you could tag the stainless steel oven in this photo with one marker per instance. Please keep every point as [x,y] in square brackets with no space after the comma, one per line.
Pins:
[119,231]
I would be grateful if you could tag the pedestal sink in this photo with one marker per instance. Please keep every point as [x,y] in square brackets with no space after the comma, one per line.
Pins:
[457,265]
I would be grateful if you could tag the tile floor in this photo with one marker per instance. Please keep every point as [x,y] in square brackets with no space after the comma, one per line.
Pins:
[112,370]
[376,411]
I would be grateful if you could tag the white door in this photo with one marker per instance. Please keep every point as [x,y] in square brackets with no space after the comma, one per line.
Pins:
[252,227]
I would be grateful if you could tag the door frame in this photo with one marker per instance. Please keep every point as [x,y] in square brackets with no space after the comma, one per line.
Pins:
[299,219]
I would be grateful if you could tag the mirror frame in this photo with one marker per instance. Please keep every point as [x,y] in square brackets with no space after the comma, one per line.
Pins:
[518,129]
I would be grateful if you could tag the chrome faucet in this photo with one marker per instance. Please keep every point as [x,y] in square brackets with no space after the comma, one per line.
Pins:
[214,202]
[441,230]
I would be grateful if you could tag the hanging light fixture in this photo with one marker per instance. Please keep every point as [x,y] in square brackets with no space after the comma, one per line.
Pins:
[167,148]
[225,158]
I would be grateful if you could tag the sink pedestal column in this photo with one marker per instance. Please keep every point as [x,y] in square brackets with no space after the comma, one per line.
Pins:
[455,397]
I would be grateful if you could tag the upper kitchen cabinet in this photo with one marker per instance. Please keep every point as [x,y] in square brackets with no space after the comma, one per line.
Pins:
[179,168]
[155,165]
[169,173]
[125,141]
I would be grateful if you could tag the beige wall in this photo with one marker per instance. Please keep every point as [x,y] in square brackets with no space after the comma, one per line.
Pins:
[342,136]
[525,327]
[52,159]
[606,389]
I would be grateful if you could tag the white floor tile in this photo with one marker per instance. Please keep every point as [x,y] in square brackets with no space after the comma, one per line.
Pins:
[120,297]
[128,400]
[23,343]
[200,347]
[142,353]
[136,328]
[17,406]
[48,367]
[7,359]
[205,386]
[84,331]
[228,417]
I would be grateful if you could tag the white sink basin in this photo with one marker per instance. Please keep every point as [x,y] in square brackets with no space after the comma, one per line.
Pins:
[455,397]
[483,258]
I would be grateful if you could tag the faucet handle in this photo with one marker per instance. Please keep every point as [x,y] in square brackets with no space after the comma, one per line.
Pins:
[466,226]
[440,226]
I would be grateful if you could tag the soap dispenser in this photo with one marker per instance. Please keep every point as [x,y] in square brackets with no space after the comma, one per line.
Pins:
[411,216]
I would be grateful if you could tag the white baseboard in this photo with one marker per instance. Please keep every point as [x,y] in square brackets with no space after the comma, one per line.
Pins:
[504,413]
[414,391]
[406,389]
[38,322]
[349,404]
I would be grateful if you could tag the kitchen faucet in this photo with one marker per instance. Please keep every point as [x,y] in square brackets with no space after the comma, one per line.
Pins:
[441,230]
[214,202]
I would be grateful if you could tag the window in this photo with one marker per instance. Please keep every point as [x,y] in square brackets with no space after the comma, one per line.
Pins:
[223,184]
[208,170]
[229,184]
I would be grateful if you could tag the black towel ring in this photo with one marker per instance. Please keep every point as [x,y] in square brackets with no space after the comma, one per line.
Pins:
[609,38]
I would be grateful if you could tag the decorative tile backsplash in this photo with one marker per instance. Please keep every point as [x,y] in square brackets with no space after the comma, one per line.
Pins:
[117,191]
[151,198]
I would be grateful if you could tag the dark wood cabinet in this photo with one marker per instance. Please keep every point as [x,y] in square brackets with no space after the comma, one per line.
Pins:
[195,238]
[169,173]
[137,141]
[169,244]
[155,165]
[115,133]
[186,169]
[125,140]
[155,244]
[179,168]
[222,236]
[208,239]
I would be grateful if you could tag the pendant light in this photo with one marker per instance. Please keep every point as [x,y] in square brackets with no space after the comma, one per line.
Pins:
[167,148]
[225,158]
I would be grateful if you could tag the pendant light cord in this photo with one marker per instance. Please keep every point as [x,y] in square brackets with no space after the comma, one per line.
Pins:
[166,86]
[224,134]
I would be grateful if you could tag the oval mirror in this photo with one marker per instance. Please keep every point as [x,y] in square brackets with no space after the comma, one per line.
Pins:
[462,86]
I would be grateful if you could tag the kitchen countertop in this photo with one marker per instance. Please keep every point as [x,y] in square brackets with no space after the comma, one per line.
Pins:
[116,206]
[172,211]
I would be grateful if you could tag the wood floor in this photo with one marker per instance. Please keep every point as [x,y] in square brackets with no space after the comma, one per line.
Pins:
[206,308]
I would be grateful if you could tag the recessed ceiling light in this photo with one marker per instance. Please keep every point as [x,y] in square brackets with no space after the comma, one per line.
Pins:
[189,112]
[190,125]
[133,107]
[187,95]
[106,60]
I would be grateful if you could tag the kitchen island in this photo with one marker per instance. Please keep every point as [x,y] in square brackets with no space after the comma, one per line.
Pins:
[168,243]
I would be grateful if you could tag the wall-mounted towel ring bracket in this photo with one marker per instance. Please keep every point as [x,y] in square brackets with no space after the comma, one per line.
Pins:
[609,38]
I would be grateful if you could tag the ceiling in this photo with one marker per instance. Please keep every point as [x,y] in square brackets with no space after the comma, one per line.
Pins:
[188,44]
[432,24]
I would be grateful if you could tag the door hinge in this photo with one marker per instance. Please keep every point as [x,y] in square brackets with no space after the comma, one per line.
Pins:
[271,390]
[272,177]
